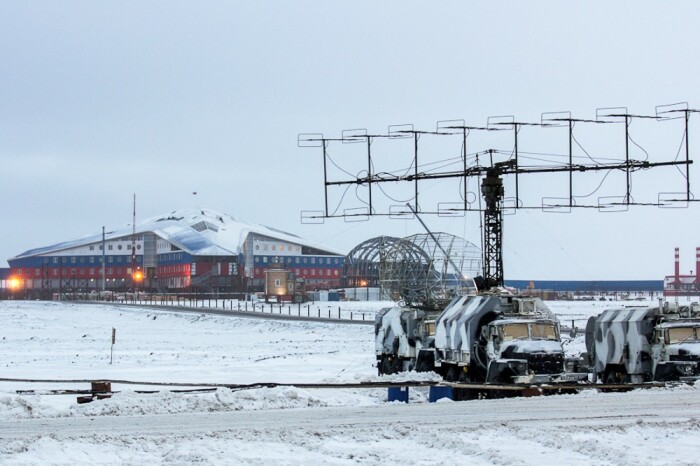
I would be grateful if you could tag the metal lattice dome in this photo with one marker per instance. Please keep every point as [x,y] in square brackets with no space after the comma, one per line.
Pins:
[423,269]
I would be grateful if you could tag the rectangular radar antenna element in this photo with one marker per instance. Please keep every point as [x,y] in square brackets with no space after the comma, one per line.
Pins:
[611,115]
[312,217]
[673,200]
[400,212]
[671,111]
[400,131]
[450,126]
[555,119]
[450,209]
[557,205]
[354,136]
[356,214]
[612,204]
[509,205]
[309,140]
[500,122]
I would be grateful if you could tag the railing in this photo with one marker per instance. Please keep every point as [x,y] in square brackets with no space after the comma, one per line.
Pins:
[306,311]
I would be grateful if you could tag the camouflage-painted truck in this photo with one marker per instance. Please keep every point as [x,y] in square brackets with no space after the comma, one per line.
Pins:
[642,344]
[493,338]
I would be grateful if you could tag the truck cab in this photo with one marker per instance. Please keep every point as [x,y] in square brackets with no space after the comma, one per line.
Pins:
[524,351]
[675,351]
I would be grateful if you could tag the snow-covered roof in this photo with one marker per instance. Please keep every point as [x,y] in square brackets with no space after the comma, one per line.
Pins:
[200,232]
[684,279]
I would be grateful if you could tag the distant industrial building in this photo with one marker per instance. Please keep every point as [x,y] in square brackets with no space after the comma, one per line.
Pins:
[185,250]
[678,285]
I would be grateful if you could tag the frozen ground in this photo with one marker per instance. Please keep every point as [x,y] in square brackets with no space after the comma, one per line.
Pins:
[288,425]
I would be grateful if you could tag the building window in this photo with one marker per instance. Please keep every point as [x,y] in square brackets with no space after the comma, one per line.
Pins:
[100,247]
[265,259]
[277,281]
[119,247]
[290,286]
[110,259]
[313,260]
[37,272]
[110,271]
[92,247]
[55,260]
[138,246]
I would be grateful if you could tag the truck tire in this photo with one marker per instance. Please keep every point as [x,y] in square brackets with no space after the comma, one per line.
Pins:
[615,375]
[425,362]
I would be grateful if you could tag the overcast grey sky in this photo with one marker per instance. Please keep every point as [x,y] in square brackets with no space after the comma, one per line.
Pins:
[100,100]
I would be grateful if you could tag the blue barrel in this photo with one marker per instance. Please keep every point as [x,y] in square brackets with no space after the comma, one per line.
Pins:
[437,393]
[398,394]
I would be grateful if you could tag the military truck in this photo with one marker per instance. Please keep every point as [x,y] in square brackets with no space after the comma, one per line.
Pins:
[493,337]
[642,344]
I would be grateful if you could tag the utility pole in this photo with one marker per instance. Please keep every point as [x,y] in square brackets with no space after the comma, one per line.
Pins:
[104,277]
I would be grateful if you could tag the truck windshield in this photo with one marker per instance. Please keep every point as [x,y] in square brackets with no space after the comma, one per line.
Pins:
[513,332]
[527,331]
[543,332]
[680,334]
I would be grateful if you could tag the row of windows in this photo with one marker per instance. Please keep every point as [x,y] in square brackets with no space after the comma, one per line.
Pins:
[170,257]
[299,260]
[274,247]
[174,268]
[110,247]
[87,260]
[306,272]
[73,271]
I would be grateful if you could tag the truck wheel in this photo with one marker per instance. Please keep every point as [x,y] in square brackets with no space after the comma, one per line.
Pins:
[616,376]
[390,364]
[425,363]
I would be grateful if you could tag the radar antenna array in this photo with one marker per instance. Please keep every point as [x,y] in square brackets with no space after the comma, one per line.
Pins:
[490,172]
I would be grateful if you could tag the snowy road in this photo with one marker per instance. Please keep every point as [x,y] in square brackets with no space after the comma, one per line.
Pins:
[650,406]
[642,427]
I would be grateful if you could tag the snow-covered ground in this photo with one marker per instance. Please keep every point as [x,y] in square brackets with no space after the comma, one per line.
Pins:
[289,425]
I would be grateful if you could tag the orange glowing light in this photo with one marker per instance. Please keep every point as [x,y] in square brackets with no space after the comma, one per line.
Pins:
[14,283]
[138,275]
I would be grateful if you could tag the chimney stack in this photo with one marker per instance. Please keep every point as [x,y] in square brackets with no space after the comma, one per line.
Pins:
[678,267]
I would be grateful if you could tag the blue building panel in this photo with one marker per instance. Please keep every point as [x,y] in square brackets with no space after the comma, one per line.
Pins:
[174,258]
[589,285]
